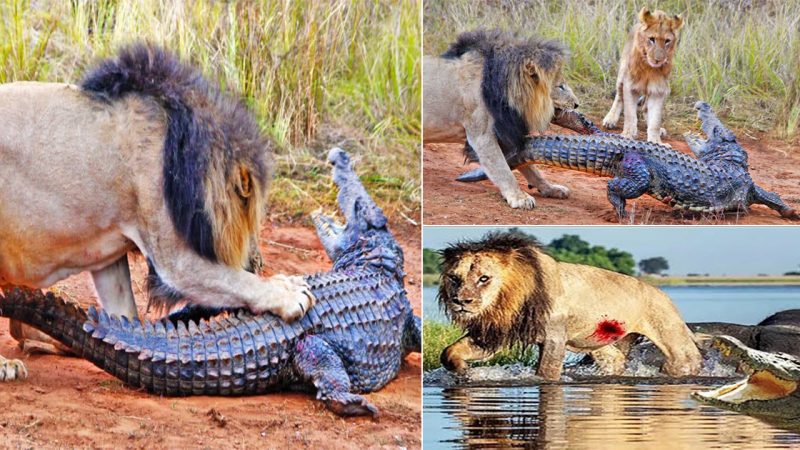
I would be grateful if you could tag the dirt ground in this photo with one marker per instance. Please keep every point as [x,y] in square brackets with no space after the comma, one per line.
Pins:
[69,403]
[774,165]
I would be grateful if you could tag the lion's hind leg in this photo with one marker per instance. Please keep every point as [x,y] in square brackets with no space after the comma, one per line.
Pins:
[609,359]
[32,340]
[12,369]
[681,355]
[547,189]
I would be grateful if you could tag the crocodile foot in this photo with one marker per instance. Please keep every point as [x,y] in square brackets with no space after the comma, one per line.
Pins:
[12,369]
[347,404]
[790,213]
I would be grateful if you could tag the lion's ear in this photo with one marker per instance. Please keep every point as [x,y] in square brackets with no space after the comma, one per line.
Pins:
[532,70]
[677,22]
[244,182]
[645,17]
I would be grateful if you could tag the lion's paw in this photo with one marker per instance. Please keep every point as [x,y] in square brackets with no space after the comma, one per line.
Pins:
[610,122]
[555,191]
[288,297]
[521,200]
[12,369]
[629,134]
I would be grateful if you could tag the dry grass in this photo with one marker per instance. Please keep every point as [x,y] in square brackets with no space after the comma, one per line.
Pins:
[741,56]
[315,73]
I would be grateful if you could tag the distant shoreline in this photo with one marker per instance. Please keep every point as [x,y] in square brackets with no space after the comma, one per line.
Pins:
[432,280]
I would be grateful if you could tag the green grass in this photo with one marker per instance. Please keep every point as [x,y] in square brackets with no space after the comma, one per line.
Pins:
[436,336]
[743,61]
[316,74]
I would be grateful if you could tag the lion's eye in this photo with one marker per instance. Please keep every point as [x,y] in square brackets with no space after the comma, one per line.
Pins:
[483,279]
[667,41]
[561,86]
[454,279]
[652,40]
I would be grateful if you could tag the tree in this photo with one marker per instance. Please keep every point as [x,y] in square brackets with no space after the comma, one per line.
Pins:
[430,261]
[571,248]
[654,265]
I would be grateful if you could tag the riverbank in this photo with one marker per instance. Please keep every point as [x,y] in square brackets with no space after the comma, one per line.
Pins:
[431,280]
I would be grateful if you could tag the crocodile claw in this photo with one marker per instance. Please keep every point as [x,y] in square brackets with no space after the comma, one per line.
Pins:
[347,404]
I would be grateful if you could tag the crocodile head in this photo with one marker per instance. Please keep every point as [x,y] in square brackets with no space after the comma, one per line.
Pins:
[711,125]
[365,238]
[770,391]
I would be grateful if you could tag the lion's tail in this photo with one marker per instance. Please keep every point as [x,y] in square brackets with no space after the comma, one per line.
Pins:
[148,70]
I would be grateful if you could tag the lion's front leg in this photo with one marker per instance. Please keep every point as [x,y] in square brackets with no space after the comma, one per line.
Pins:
[629,129]
[457,355]
[12,369]
[554,349]
[497,170]
[655,108]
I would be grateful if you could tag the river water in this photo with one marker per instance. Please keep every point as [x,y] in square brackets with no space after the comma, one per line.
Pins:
[613,414]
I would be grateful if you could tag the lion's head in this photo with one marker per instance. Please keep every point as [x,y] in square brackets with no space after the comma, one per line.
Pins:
[518,79]
[494,288]
[656,37]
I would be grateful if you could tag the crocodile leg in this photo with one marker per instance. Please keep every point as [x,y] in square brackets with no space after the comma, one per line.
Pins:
[632,182]
[12,369]
[771,199]
[316,362]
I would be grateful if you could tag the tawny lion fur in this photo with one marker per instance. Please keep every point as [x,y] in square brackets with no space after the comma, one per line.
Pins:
[503,290]
[644,70]
[144,155]
[492,89]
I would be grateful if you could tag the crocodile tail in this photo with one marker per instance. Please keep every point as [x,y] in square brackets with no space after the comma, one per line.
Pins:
[593,154]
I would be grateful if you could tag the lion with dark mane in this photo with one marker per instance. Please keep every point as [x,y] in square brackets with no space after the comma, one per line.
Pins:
[491,89]
[143,155]
[503,290]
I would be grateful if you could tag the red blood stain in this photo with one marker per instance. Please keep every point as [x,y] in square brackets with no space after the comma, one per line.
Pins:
[609,330]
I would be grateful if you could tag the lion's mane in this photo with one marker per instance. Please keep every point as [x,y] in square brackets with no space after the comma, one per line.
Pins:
[216,161]
[518,104]
[521,308]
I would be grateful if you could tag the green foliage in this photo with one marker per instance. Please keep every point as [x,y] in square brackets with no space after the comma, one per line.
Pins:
[654,265]
[437,336]
[316,74]
[571,248]
[430,261]
[741,57]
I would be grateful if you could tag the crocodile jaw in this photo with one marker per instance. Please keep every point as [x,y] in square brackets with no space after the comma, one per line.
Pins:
[761,385]
[771,389]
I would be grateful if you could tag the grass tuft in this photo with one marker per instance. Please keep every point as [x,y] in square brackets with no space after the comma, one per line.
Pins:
[436,336]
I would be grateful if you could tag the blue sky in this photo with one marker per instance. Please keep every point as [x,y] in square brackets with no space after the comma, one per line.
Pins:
[719,250]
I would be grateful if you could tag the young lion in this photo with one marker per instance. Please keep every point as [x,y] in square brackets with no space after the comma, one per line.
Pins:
[493,89]
[644,70]
[503,290]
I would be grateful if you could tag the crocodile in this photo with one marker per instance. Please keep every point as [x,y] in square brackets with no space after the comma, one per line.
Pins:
[352,341]
[779,332]
[716,181]
[770,392]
